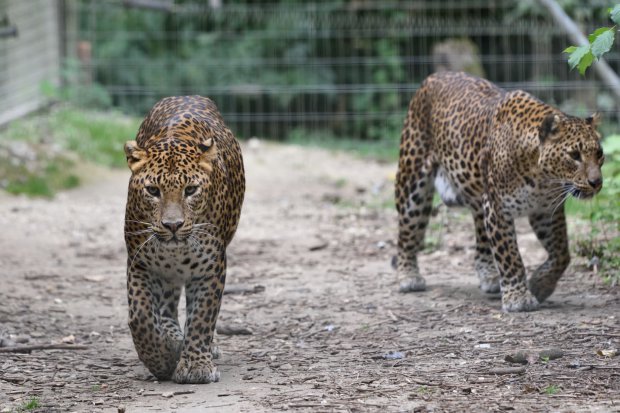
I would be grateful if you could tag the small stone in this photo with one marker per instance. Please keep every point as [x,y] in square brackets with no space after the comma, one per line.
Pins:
[517,358]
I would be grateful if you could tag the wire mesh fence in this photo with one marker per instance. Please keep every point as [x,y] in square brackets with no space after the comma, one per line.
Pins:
[343,69]
[30,54]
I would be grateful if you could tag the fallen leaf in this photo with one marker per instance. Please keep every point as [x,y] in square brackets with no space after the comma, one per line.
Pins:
[612,352]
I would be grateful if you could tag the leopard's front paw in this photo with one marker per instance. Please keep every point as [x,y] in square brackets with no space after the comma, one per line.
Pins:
[195,370]
[415,283]
[541,287]
[489,277]
[490,285]
[519,301]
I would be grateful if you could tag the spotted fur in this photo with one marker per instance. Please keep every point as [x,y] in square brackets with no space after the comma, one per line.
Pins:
[503,155]
[183,206]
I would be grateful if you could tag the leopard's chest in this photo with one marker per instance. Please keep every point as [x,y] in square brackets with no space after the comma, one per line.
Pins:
[178,262]
[527,199]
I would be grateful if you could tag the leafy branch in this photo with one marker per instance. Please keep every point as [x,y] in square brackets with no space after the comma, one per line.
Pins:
[600,42]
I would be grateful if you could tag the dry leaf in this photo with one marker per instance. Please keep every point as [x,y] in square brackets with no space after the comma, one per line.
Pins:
[612,352]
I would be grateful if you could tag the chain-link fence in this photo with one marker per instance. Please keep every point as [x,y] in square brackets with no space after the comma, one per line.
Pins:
[338,68]
[30,54]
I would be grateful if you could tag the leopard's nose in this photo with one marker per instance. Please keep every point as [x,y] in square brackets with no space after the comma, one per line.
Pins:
[173,226]
[595,183]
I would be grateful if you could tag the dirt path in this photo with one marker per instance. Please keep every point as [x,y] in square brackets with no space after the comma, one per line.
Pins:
[330,330]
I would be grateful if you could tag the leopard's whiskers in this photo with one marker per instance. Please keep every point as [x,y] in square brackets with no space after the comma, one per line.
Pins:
[140,248]
[139,222]
[143,231]
[206,224]
[563,197]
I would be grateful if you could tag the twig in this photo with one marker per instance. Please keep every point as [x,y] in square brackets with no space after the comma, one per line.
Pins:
[28,349]
[504,370]
[170,394]
[579,333]
[229,330]
[243,289]
[212,406]
[14,380]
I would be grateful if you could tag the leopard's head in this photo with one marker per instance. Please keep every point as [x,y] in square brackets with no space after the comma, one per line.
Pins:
[169,187]
[571,155]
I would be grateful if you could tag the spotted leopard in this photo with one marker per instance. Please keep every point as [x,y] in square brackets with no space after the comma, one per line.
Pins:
[503,155]
[183,205]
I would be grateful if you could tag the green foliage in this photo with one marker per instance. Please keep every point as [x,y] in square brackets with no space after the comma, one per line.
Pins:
[600,42]
[96,136]
[614,14]
[76,89]
[284,57]
[43,173]
[551,389]
[78,136]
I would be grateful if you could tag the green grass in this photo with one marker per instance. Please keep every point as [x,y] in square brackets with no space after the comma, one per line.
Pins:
[31,404]
[551,389]
[50,173]
[93,136]
[96,136]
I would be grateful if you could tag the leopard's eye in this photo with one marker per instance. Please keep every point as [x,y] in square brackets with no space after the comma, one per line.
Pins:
[153,191]
[190,190]
[599,153]
[576,155]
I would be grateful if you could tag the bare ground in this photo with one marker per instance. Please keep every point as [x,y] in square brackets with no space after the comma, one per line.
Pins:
[330,330]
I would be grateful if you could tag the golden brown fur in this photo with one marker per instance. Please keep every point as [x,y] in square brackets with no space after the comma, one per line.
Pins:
[183,206]
[503,155]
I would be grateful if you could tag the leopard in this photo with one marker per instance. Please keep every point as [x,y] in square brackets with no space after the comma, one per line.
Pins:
[183,207]
[502,155]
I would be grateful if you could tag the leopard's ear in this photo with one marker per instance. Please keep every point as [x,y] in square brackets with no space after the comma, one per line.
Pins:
[549,126]
[594,120]
[209,152]
[136,156]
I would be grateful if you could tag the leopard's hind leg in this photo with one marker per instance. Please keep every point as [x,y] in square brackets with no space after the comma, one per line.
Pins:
[414,194]
[483,260]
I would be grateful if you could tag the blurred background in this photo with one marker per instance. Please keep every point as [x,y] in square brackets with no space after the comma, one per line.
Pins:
[287,69]
[78,75]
